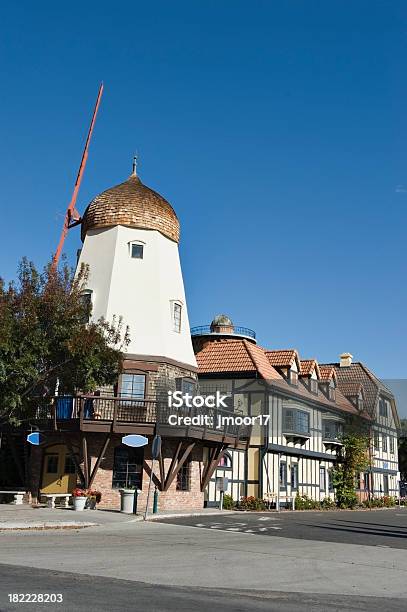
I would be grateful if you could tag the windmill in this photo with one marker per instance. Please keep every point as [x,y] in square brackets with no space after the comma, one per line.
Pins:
[72,217]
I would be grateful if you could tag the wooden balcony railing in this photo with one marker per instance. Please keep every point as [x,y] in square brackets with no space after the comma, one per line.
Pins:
[121,411]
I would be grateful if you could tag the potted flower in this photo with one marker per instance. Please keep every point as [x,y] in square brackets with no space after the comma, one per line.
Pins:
[94,498]
[80,497]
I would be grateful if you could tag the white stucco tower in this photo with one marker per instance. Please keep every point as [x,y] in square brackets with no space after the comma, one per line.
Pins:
[130,242]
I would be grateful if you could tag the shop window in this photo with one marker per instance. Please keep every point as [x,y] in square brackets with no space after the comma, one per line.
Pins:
[294,476]
[127,467]
[184,477]
[322,479]
[283,475]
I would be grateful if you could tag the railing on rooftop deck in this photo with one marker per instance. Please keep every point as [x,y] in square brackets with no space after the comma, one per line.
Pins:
[204,330]
[125,410]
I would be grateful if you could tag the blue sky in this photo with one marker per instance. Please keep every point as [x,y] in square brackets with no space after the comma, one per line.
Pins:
[276,130]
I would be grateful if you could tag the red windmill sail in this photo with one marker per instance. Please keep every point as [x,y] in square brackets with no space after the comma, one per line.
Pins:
[72,217]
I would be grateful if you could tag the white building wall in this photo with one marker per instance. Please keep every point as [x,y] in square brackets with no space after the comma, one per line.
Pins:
[142,291]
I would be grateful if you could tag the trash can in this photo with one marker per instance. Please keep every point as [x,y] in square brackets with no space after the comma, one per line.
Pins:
[127,500]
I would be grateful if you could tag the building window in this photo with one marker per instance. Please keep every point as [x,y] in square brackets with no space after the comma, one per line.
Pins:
[283,475]
[184,477]
[137,251]
[70,467]
[177,310]
[133,385]
[322,479]
[331,430]
[391,441]
[52,464]
[382,407]
[86,299]
[376,439]
[295,421]
[294,476]
[360,403]
[366,479]
[384,444]
[127,467]
[186,385]
[331,394]
[225,461]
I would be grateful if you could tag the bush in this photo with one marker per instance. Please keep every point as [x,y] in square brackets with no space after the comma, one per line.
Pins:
[303,502]
[328,504]
[251,503]
[228,502]
[380,502]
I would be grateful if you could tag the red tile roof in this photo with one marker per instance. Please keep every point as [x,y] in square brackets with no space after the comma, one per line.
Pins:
[282,359]
[327,372]
[308,366]
[241,356]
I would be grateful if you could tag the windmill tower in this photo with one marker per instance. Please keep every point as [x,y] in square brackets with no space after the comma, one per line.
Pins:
[130,238]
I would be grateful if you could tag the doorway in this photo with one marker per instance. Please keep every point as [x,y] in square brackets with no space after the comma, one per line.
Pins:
[59,471]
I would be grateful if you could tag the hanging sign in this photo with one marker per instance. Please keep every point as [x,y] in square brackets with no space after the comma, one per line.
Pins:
[35,438]
[135,441]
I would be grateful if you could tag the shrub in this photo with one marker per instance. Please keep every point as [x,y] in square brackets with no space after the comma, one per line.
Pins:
[303,502]
[228,502]
[380,502]
[251,503]
[328,504]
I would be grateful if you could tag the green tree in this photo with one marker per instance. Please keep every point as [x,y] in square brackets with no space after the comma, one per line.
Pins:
[353,458]
[46,341]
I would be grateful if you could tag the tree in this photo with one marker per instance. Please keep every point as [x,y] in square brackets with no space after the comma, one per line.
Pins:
[353,458]
[47,343]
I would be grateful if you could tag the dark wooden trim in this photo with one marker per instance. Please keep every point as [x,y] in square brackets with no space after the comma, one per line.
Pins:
[16,458]
[161,359]
[213,460]
[176,464]
[162,471]
[99,459]
[86,465]
[74,458]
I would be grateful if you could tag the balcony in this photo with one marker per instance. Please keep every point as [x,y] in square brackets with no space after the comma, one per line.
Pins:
[99,414]
[206,330]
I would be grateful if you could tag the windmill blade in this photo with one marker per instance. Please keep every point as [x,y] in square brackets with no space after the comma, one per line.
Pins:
[72,216]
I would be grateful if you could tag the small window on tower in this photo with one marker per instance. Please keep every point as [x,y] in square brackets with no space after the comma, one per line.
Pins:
[177,317]
[137,251]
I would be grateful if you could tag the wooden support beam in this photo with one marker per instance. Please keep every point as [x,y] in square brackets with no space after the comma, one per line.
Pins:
[212,465]
[86,464]
[74,458]
[162,472]
[177,465]
[99,459]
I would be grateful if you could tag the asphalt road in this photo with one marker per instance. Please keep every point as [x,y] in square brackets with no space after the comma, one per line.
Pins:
[386,528]
[82,593]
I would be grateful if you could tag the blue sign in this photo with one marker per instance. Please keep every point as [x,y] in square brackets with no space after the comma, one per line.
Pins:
[135,441]
[34,438]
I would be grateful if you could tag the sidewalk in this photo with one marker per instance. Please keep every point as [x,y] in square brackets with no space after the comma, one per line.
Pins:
[27,517]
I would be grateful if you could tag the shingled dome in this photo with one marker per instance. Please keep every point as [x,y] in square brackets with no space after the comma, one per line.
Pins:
[132,204]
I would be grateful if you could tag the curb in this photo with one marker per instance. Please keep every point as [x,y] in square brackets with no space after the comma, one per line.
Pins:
[156,517]
[45,525]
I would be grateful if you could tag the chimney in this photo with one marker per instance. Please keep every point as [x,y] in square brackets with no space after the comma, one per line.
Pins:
[346,360]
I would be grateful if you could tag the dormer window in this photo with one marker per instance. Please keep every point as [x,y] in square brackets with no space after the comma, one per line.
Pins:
[383,407]
[313,385]
[332,393]
[360,403]
[293,377]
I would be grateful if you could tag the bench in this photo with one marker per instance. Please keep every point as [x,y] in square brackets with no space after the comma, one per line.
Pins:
[18,496]
[51,497]
[274,498]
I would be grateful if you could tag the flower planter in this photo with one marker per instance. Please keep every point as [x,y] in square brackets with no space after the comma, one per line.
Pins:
[79,503]
[127,501]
